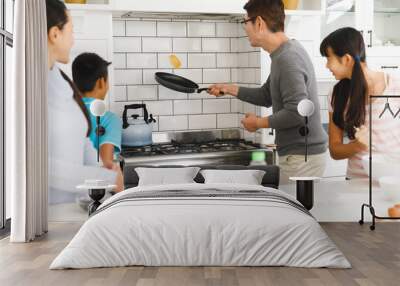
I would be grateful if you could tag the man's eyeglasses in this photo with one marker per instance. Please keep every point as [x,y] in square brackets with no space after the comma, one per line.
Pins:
[244,21]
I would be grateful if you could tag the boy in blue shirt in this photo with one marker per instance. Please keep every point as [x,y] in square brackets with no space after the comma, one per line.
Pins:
[90,75]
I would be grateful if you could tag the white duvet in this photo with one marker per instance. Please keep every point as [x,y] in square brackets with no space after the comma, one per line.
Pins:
[204,231]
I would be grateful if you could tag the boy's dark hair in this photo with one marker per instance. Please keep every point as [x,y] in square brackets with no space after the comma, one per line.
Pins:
[87,68]
[272,12]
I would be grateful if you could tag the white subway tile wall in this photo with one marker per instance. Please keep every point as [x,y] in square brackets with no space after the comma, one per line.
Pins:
[227,60]
[119,61]
[254,59]
[234,45]
[118,28]
[227,120]
[209,52]
[141,61]
[187,107]
[195,75]
[186,45]
[216,76]
[127,45]
[235,75]
[142,92]
[166,93]
[120,93]
[236,106]
[151,45]
[171,29]
[128,77]
[243,60]
[204,121]
[216,45]
[163,107]
[229,30]
[118,107]
[164,60]
[247,74]
[202,61]
[216,106]
[173,123]
[148,75]
[201,29]
[140,29]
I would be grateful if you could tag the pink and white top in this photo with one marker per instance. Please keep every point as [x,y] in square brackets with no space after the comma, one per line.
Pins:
[385,130]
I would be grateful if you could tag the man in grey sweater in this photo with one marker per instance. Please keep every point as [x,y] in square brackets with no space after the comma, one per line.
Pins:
[292,78]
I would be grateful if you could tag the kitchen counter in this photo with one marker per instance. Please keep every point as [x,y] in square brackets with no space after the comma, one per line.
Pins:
[338,200]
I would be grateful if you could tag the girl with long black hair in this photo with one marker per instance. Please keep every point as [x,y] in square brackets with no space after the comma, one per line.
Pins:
[69,121]
[349,101]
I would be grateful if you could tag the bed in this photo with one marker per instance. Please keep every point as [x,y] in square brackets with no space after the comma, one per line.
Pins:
[202,224]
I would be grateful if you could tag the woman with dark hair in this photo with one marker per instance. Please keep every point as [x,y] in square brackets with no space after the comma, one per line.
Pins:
[69,121]
[349,101]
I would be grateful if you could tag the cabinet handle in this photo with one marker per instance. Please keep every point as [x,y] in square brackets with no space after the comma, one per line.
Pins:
[389,67]
[271,132]
[370,39]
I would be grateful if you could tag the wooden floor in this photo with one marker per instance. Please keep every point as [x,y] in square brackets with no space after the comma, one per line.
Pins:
[375,257]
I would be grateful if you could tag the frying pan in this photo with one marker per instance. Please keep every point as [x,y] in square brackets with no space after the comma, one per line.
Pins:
[178,83]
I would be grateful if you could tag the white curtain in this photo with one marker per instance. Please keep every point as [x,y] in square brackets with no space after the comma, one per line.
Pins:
[26,131]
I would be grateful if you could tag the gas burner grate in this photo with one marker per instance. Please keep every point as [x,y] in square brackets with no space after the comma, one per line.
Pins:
[188,148]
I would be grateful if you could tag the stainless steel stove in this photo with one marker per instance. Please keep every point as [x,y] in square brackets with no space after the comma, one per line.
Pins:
[222,147]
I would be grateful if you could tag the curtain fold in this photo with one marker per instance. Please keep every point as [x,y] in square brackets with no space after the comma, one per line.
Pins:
[27,160]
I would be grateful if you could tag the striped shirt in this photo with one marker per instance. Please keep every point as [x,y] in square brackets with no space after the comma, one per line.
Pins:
[385,130]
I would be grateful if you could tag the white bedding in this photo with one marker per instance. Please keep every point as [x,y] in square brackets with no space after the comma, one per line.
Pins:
[202,231]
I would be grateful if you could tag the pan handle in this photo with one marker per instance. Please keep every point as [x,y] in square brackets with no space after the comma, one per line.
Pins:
[206,88]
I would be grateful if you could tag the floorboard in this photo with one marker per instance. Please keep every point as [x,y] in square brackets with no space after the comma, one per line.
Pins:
[375,257]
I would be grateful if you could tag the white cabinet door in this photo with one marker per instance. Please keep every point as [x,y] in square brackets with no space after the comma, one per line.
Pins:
[347,13]
[305,29]
[382,22]
[339,14]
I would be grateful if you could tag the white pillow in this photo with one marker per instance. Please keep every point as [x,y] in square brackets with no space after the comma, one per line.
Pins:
[248,177]
[166,176]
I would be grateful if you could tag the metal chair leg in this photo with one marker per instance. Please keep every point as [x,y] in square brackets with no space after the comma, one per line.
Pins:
[372,210]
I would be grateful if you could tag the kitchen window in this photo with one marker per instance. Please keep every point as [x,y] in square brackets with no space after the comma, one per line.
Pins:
[6,44]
